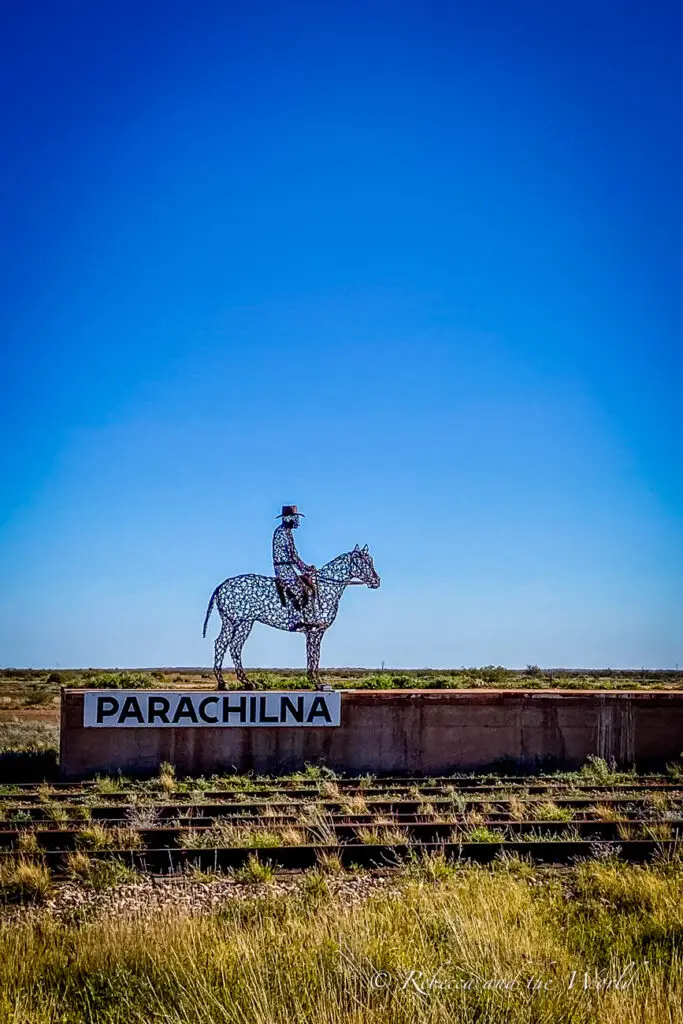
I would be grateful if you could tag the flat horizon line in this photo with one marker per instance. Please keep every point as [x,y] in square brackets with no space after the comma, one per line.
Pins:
[384,669]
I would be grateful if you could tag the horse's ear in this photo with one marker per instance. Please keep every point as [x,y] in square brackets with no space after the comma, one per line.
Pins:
[356,548]
[365,547]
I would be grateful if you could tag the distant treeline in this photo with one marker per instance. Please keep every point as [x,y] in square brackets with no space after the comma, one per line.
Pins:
[489,673]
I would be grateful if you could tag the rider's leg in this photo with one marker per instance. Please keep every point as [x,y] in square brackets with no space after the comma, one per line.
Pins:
[294,593]
[312,616]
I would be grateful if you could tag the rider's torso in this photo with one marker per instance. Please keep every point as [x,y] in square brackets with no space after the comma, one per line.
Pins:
[284,550]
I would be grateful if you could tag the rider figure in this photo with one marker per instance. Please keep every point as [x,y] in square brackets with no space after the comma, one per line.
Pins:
[297,590]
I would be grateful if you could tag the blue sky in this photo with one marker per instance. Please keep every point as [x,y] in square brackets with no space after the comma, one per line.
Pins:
[413,266]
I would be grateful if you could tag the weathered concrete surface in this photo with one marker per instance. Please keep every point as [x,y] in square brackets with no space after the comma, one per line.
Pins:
[402,732]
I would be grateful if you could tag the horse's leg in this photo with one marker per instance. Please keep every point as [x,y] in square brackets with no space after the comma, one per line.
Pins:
[313,641]
[220,647]
[240,632]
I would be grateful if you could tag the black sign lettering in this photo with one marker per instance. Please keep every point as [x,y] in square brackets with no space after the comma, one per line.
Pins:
[231,709]
[262,716]
[185,709]
[106,708]
[203,706]
[158,707]
[131,709]
[161,709]
[287,705]
[319,710]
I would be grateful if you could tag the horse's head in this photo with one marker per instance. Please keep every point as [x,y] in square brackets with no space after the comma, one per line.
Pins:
[362,567]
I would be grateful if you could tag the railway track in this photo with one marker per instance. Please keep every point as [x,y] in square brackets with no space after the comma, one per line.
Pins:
[165,826]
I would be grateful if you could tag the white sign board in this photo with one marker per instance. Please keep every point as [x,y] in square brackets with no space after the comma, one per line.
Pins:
[173,709]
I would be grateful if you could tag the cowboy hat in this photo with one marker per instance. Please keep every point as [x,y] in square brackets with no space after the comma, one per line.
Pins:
[289,510]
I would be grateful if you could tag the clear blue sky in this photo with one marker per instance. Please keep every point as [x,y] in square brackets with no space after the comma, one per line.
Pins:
[415,267]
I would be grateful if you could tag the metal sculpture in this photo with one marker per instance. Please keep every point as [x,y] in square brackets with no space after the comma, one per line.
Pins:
[285,602]
[296,592]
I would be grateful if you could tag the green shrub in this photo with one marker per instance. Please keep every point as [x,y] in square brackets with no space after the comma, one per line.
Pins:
[118,681]
[108,786]
[255,871]
[549,811]
[483,834]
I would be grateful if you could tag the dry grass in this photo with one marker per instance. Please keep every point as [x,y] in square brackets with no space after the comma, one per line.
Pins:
[27,843]
[657,804]
[658,830]
[517,809]
[605,812]
[319,824]
[355,804]
[99,837]
[55,812]
[384,835]
[97,874]
[167,780]
[223,834]
[402,956]
[330,863]
[24,881]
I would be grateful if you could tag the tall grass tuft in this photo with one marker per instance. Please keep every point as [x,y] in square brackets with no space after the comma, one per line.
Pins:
[24,881]
[167,780]
[255,872]
[97,874]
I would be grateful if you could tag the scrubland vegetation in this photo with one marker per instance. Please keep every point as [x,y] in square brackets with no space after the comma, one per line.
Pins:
[24,688]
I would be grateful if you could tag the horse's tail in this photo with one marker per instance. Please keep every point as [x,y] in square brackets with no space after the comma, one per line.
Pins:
[209,610]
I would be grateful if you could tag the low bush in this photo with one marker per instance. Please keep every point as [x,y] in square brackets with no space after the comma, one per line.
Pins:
[118,680]
[255,872]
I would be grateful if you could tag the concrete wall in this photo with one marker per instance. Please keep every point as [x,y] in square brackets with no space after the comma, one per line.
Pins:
[402,732]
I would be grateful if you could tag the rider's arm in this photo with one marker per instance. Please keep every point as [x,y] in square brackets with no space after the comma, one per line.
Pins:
[294,556]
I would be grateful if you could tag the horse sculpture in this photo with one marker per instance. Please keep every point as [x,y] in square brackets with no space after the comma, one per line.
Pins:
[244,600]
